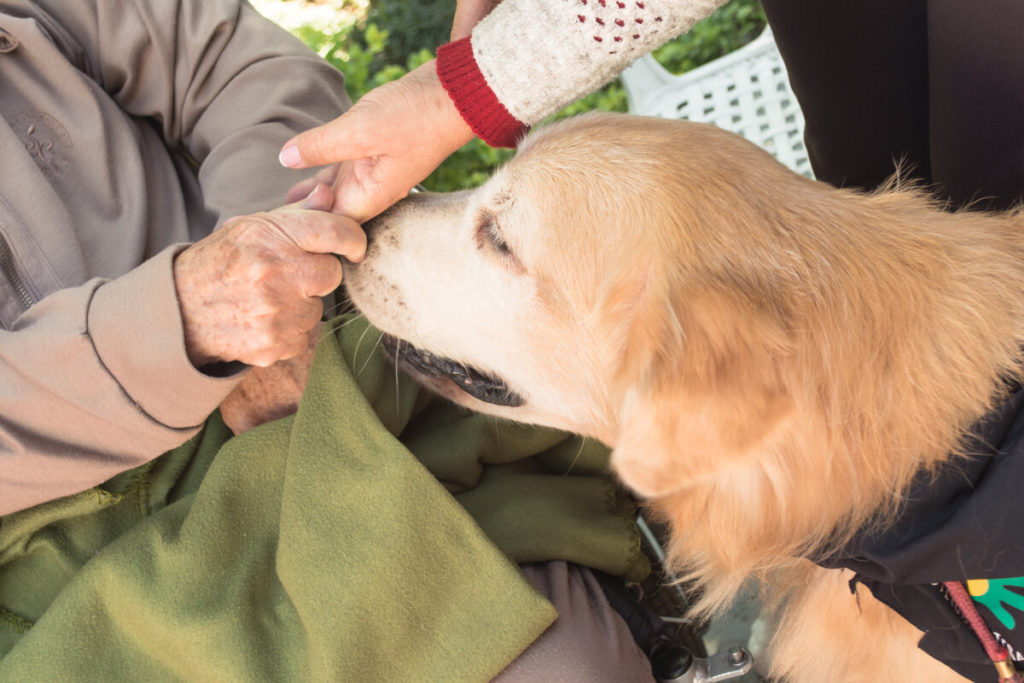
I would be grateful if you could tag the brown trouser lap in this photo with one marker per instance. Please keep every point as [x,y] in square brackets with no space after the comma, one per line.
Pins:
[589,642]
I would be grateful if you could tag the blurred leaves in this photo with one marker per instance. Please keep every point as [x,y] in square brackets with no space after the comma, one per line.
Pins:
[397,36]
[732,26]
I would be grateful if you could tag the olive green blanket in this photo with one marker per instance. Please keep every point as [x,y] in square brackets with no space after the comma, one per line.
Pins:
[374,535]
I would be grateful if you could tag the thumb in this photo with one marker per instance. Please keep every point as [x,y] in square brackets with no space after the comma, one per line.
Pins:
[366,188]
[324,176]
[319,232]
[320,199]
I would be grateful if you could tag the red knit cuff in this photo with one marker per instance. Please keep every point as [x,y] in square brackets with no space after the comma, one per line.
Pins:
[476,102]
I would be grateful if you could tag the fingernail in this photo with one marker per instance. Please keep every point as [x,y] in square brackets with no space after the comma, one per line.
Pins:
[308,201]
[290,157]
[319,200]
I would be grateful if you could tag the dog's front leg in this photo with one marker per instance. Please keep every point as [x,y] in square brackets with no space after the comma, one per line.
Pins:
[829,634]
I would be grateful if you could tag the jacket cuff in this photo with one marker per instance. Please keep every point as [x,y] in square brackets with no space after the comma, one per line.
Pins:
[135,325]
[473,97]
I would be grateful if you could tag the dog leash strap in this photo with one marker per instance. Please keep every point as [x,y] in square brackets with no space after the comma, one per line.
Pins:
[999,655]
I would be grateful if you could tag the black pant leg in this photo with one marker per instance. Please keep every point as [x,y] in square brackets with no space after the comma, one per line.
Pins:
[976,100]
[860,72]
[936,84]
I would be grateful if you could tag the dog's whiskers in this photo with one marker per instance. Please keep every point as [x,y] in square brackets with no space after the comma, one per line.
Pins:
[369,356]
[351,320]
[576,458]
[398,355]
[497,433]
[337,309]
[335,328]
[359,342]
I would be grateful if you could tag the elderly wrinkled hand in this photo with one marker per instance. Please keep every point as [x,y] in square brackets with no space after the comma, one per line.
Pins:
[251,291]
[392,139]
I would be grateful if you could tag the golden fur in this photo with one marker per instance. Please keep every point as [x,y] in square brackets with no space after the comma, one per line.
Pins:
[771,359]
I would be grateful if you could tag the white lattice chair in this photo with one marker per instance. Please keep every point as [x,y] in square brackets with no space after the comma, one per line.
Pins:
[746,92]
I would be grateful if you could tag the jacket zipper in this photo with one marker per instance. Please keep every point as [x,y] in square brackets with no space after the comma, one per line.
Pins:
[7,268]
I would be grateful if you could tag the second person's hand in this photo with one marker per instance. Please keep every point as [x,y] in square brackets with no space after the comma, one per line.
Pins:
[389,141]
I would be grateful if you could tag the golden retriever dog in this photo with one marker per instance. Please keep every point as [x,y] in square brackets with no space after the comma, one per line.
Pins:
[772,360]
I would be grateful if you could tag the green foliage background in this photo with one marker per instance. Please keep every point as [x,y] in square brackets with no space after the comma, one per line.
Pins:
[396,36]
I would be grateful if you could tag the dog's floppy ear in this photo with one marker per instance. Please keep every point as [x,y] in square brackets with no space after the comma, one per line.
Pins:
[702,387]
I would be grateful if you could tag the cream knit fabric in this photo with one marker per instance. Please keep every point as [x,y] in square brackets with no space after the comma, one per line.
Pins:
[539,55]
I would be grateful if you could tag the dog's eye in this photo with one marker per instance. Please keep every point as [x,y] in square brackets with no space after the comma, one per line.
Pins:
[490,238]
[488,233]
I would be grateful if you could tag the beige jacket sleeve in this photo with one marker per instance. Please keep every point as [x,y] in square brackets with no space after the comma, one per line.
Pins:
[94,378]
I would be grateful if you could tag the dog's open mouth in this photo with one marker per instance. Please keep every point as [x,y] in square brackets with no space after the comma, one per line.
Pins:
[477,384]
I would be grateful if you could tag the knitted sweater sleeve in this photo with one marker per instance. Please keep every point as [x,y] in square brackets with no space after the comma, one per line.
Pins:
[529,58]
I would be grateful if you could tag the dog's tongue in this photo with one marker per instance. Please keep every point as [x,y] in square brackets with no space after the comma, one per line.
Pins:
[477,384]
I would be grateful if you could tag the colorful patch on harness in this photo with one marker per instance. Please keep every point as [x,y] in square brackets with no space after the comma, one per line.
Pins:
[996,595]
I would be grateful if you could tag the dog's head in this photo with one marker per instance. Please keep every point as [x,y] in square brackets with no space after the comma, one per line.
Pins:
[597,284]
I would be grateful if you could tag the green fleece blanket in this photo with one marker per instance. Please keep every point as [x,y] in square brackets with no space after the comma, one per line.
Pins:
[371,536]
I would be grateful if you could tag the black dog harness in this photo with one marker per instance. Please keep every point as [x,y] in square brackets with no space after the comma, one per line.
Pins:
[953,564]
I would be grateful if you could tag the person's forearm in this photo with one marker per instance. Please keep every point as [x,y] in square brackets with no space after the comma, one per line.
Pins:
[96,381]
[529,58]
[268,87]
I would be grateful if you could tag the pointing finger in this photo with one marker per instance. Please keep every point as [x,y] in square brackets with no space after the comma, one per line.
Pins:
[342,139]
